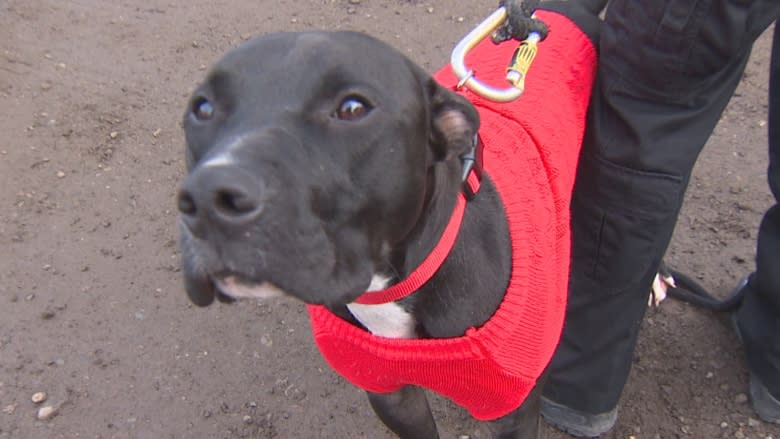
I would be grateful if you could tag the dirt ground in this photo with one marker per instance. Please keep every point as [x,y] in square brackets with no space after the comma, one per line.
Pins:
[92,309]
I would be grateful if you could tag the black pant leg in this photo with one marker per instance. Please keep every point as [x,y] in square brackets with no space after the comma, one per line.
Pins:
[667,70]
[759,316]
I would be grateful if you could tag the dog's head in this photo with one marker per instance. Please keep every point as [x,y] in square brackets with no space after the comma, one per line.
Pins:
[309,158]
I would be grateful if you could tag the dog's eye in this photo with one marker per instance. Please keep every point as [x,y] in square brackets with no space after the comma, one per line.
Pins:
[202,109]
[352,108]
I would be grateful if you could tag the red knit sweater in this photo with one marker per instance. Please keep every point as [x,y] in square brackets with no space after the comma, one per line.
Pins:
[531,150]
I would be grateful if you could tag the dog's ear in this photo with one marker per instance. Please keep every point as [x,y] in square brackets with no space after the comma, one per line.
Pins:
[454,122]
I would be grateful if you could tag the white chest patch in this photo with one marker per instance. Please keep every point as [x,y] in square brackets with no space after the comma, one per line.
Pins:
[387,319]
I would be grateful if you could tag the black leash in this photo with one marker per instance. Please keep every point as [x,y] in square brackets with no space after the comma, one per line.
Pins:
[689,290]
[520,21]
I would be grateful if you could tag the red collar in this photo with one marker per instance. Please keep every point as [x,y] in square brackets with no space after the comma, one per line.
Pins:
[429,266]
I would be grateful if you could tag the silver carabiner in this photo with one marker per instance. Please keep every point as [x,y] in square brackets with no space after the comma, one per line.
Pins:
[516,72]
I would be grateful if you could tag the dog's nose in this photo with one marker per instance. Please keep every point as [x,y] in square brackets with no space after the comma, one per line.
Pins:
[220,196]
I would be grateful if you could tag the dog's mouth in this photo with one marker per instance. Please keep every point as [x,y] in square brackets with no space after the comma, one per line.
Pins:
[227,288]
[227,270]
[234,286]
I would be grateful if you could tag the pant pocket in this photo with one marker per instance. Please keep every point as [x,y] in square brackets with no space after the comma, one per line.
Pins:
[622,220]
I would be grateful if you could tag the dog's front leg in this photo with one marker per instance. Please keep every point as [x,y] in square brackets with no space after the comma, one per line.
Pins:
[523,423]
[405,412]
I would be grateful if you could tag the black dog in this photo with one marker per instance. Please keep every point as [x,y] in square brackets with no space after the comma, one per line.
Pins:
[327,165]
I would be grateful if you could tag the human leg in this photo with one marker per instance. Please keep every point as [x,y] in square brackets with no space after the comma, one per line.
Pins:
[758,318]
[667,70]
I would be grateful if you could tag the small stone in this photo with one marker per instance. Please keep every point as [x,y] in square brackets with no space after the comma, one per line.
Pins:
[195,44]
[741,398]
[709,375]
[739,434]
[9,409]
[460,19]
[293,20]
[351,10]
[39,397]
[157,132]
[113,134]
[430,9]
[753,423]
[60,174]
[247,419]
[46,413]
[724,424]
